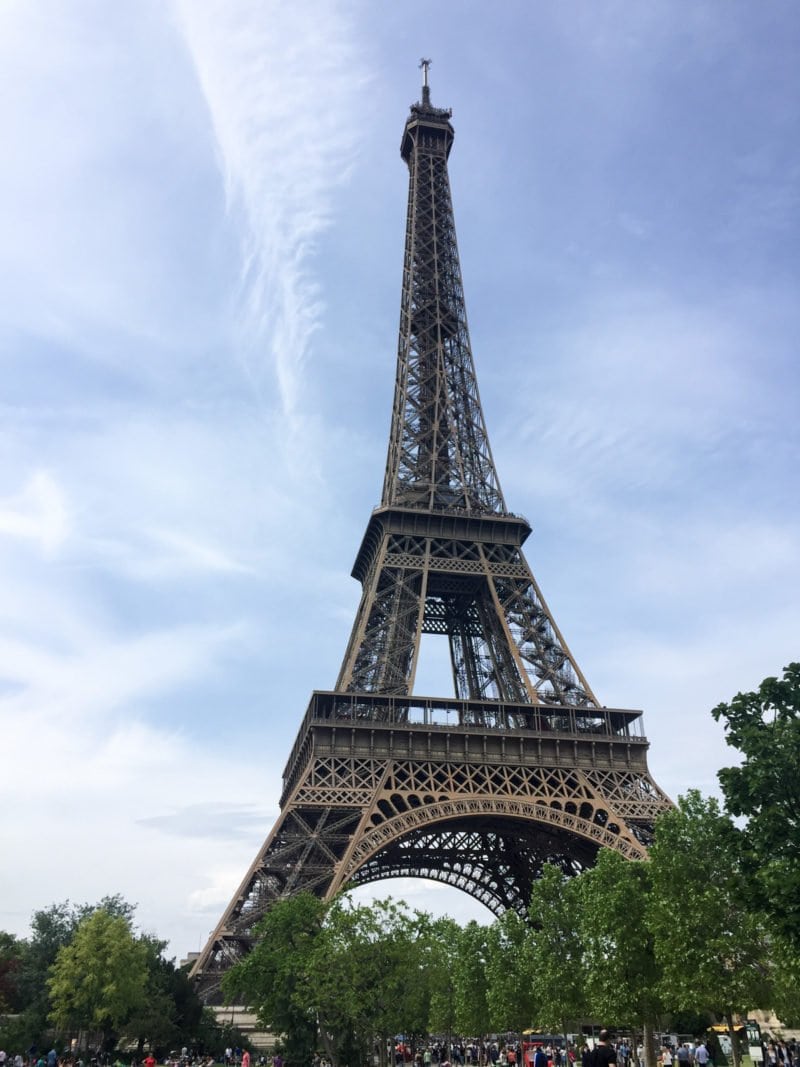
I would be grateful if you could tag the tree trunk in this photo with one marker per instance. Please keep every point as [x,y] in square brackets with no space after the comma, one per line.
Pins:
[330,1050]
[649,1042]
[734,1040]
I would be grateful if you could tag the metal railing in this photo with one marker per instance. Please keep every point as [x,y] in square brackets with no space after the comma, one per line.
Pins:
[479,715]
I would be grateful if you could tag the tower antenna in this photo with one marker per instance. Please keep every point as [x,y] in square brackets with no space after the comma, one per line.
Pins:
[424,64]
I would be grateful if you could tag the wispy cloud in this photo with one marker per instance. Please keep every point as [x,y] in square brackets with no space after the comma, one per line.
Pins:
[646,385]
[282,85]
[187,552]
[116,242]
[211,820]
[99,676]
[37,513]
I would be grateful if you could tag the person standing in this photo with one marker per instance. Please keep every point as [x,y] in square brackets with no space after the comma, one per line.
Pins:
[603,1054]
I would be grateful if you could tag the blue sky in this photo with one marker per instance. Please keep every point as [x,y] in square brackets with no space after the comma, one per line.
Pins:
[202,209]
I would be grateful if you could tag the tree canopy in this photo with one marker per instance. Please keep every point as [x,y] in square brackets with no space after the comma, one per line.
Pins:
[12,954]
[554,956]
[710,945]
[764,726]
[275,975]
[82,968]
[510,1000]
[621,970]
[98,980]
[356,970]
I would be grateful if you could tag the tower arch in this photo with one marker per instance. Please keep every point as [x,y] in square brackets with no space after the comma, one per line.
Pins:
[494,851]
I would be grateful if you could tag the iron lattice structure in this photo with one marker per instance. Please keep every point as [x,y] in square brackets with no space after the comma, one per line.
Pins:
[522,766]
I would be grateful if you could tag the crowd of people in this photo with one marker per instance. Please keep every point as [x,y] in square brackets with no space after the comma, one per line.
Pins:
[602,1052]
[72,1057]
[462,1052]
[781,1053]
[774,1052]
[469,1052]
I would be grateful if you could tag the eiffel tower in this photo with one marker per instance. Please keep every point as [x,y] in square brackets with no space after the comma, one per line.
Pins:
[522,765]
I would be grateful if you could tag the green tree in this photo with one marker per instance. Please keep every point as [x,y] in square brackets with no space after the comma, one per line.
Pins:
[471,979]
[710,946]
[764,726]
[98,979]
[622,978]
[356,970]
[171,1013]
[51,929]
[274,977]
[785,986]
[554,957]
[190,1014]
[12,955]
[372,970]
[442,975]
[509,996]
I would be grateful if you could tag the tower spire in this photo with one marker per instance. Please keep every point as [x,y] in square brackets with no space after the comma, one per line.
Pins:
[426,92]
[441,493]
[439,456]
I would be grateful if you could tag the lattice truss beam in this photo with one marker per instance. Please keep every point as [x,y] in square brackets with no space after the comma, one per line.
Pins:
[301,854]
[439,454]
[614,798]
[486,828]
[504,643]
[493,862]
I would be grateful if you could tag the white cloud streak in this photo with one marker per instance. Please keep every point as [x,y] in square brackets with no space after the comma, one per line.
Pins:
[650,393]
[37,513]
[52,689]
[281,83]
